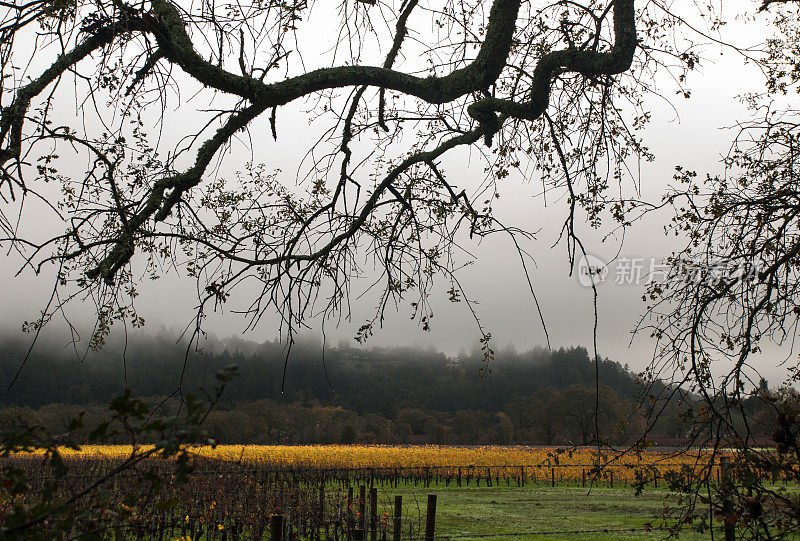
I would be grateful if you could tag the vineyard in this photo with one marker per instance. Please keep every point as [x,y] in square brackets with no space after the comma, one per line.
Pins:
[342,493]
[425,462]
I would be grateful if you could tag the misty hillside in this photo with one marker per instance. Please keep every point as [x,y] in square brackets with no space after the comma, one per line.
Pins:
[378,380]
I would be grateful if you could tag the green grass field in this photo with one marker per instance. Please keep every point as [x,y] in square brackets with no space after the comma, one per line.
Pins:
[481,512]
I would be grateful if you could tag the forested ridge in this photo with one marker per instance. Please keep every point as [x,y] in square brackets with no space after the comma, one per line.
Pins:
[346,394]
[333,394]
[375,380]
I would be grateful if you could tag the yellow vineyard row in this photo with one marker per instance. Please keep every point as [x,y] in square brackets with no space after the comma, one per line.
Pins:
[502,461]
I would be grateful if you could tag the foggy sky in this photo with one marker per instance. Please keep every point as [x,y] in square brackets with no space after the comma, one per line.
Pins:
[689,135]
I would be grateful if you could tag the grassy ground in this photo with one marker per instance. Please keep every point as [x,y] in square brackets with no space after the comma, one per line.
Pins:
[480,512]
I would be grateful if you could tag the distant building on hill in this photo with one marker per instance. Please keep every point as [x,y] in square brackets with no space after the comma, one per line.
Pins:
[453,363]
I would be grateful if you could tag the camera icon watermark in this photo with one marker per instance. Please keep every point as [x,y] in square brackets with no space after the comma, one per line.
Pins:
[591,270]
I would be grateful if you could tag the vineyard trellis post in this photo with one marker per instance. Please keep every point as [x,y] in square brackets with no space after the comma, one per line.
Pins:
[276,528]
[726,486]
[373,513]
[362,511]
[398,517]
[321,505]
[430,518]
[349,526]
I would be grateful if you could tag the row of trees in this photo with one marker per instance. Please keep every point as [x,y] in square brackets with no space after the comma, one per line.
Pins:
[380,381]
[549,416]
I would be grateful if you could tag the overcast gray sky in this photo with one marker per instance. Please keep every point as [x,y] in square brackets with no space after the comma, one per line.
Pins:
[690,135]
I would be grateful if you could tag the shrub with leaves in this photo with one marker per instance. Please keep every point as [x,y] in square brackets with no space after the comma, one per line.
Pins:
[59,505]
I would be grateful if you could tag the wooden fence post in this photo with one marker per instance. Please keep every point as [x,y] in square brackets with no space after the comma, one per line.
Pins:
[362,506]
[727,504]
[349,526]
[398,517]
[276,528]
[358,533]
[430,518]
[552,477]
[373,513]
[321,505]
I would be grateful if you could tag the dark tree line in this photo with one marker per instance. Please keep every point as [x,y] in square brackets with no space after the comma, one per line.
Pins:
[379,380]
[381,395]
